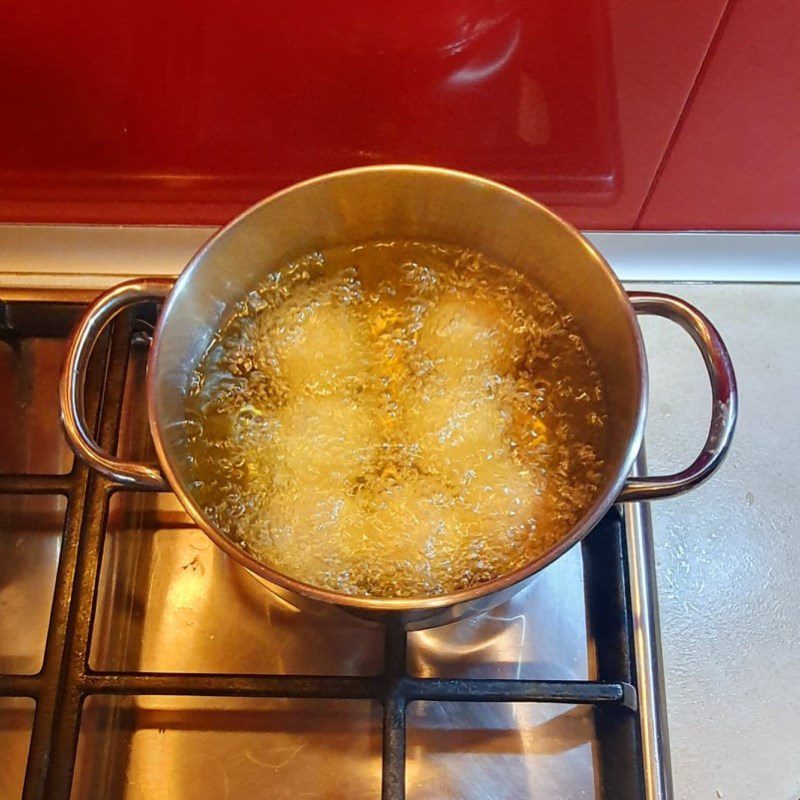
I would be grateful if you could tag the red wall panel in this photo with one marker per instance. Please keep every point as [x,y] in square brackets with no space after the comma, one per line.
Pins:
[735,163]
[188,112]
[658,49]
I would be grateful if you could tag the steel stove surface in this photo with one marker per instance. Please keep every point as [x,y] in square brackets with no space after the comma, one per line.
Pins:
[137,661]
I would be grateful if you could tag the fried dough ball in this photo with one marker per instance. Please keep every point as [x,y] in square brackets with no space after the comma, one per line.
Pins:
[410,516]
[407,525]
[311,529]
[463,336]
[455,423]
[324,440]
[318,342]
[500,491]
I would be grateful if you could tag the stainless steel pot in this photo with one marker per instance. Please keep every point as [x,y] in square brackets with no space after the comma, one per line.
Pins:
[403,202]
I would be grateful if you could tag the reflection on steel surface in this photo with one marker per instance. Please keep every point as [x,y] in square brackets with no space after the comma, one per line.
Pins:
[16,721]
[30,544]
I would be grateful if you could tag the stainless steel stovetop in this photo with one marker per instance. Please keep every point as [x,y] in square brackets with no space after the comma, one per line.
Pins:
[167,601]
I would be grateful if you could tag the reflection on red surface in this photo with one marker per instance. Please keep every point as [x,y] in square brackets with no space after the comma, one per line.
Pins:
[189,111]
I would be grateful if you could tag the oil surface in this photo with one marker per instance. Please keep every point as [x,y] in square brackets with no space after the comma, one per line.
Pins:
[396,419]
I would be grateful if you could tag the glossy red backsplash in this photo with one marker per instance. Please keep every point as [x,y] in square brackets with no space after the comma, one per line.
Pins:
[190,111]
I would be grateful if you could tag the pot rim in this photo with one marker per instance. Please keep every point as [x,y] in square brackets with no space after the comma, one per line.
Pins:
[602,502]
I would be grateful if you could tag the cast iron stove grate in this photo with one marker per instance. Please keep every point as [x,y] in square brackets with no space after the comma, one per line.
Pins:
[66,679]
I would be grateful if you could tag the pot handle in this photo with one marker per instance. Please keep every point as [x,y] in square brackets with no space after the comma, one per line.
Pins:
[73,378]
[724,398]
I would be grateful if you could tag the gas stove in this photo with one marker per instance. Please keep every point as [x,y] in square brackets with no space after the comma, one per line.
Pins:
[137,661]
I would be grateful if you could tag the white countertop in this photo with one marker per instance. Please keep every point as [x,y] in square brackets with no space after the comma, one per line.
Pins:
[728,553]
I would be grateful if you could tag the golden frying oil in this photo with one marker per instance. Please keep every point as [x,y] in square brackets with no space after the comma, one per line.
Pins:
[396,419]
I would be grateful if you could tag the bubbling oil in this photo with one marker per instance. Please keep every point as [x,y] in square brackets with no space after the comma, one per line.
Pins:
[396,419]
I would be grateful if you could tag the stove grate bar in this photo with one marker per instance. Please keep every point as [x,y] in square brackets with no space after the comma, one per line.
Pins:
[22,685]
[36,484]
[410,689]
